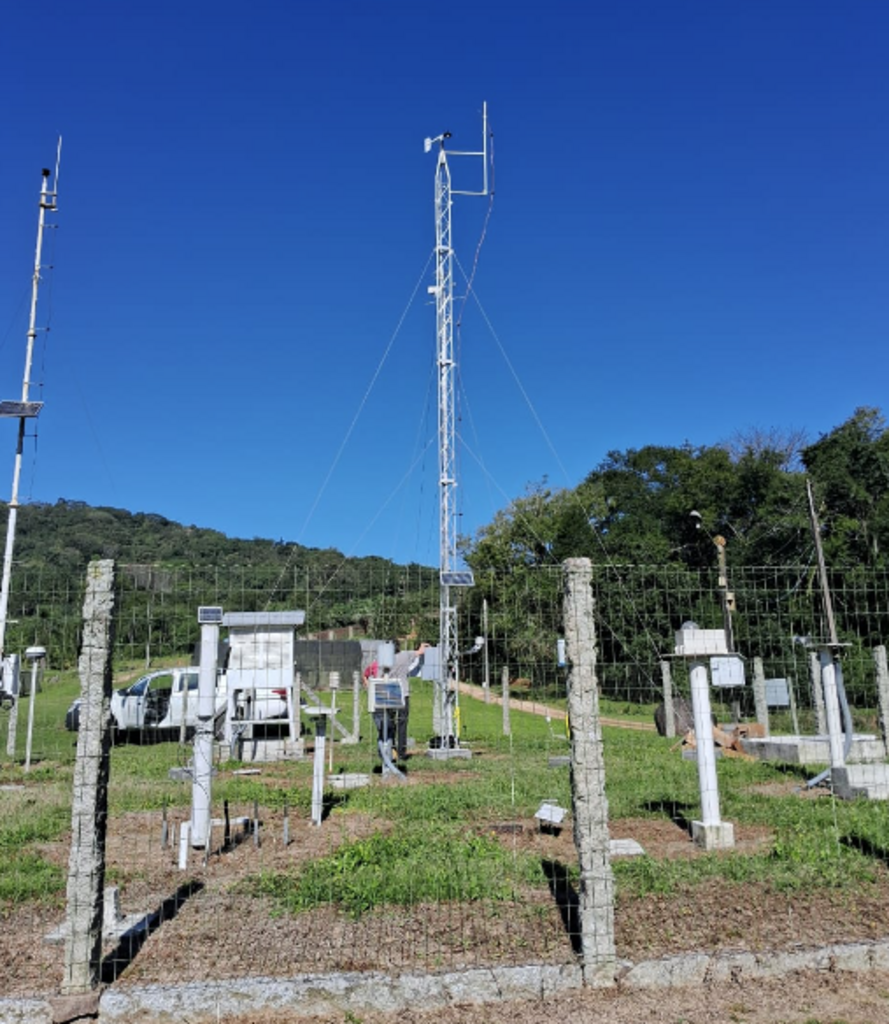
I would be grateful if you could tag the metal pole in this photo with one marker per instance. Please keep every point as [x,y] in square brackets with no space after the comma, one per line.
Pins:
[443,290]
[202,780]
[822,568]
[35,664]
[47,202]
[447,470]
[828,655]
[487,683]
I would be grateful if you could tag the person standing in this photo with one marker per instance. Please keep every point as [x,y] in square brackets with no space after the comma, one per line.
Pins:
[407,665]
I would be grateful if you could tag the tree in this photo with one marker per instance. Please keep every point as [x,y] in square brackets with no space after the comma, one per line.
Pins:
[850,466]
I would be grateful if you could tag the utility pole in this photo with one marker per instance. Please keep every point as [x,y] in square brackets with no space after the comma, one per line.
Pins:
[450,578]
[25,409]
[829,655]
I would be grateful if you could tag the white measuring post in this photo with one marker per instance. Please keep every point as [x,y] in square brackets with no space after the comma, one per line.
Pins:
[830,669]
[334,683]
[210,618]
[35,655]
[320,716]
[695,645]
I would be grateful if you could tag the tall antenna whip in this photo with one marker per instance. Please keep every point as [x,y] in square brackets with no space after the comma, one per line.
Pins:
[23,410]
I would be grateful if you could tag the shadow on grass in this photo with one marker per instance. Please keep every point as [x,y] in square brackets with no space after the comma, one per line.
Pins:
[566,899]
[794,771]
[675,811]
[123,954]
[866,847]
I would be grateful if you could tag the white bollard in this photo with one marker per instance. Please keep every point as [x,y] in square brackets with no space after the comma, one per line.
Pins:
[202,778]
[184,830]
[829,670]
[706,751]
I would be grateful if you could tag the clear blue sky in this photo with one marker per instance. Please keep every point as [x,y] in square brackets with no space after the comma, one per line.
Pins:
[690,236]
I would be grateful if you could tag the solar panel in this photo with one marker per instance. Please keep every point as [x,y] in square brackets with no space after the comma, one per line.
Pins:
[384,695]
[459,578]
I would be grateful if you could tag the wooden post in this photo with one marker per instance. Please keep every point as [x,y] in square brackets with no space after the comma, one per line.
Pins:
[504,682]
[590,805]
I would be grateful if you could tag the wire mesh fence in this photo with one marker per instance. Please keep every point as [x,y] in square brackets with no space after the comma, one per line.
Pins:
[458,862]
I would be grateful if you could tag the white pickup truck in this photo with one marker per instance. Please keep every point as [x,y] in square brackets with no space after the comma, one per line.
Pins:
[160,701]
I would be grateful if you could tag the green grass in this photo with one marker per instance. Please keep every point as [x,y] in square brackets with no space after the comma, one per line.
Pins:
[430,842]
[26,877]
[410,867]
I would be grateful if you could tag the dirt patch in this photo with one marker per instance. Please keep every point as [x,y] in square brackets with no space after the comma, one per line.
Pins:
[212,931]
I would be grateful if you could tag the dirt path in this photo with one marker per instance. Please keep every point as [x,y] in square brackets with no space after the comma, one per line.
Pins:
[546,711]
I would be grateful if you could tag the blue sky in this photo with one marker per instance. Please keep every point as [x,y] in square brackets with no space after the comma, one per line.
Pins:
[689,237]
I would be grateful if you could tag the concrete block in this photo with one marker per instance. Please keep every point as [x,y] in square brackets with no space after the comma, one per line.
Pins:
[668,972]
[731,967]
[713,837]
[813,750]
[449,753]
[626,848]
[850,956]
[861,780]
[879,955]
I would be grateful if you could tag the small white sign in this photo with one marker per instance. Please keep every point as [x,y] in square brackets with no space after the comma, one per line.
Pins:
[777,693]
[726,672]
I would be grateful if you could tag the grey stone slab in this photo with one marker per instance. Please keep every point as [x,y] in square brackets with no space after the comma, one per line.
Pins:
[25,1011]
[726,968]
[850,956]
[668,972]
[626,848]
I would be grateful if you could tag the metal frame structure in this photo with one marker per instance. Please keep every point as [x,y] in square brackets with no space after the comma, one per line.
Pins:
[443,290]
[25,409]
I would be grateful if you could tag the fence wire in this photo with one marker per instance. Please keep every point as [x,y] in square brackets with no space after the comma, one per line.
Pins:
[461,861]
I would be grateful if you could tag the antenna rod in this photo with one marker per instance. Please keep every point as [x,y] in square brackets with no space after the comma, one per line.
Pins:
[822,567]
[47,202]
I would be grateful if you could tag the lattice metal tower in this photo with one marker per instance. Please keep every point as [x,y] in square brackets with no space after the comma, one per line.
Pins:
[450,577]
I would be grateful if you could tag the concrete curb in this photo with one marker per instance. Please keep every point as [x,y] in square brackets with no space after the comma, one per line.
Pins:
[320,994]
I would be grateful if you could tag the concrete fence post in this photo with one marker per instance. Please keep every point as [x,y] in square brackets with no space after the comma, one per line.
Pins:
[669,716]
[759,695]
[589,803]
[883,691]
[89,812]
[504,681]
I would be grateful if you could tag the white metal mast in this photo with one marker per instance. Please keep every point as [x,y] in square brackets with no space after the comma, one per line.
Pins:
[25,409]
[443,290]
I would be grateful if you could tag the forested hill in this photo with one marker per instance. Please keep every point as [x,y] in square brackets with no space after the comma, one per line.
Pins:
[660,505]
[68,534]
